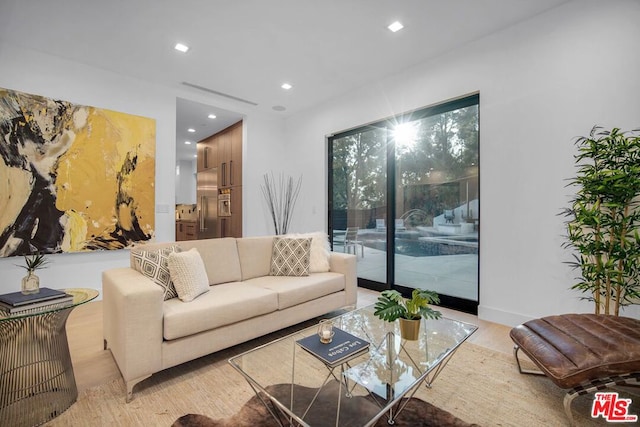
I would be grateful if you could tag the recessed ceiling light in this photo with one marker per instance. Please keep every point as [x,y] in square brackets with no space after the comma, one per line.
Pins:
[286,86]
[211,116]
[187,142]
[191,130]
[181,47]
[396,26]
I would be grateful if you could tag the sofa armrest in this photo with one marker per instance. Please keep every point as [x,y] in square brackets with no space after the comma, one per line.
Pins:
[346,264]
[133,322]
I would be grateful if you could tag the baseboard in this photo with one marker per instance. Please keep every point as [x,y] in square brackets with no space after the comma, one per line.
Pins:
[500,316]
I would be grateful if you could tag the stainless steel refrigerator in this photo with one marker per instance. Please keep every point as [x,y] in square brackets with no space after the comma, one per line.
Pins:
[207,201]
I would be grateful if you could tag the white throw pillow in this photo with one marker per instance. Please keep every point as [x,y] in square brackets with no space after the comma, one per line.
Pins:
[153,264]
[320,251]
[188,274]
[290,257]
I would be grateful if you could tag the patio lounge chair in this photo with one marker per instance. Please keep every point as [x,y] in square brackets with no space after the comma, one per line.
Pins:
[380,225]
[351,241]
[400,225]
[449,215]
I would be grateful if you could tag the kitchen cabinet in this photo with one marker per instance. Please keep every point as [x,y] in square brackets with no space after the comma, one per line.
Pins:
[236,211]
[230,178]
[186,230]
[207,152]
[230,156]
[200,155]
[221,154]
[235,165]
[231,226]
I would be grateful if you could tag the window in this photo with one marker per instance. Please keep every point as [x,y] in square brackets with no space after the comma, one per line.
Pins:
[404,196]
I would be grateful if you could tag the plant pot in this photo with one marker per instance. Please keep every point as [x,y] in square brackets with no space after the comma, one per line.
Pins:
[30,284]
[409,329]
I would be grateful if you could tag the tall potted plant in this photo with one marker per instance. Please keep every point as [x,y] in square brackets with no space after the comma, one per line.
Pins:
[602,225]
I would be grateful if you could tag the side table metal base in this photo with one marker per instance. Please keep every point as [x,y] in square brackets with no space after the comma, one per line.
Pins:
[36,376]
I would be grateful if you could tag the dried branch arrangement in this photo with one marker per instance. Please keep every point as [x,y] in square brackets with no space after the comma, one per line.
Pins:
[281,196]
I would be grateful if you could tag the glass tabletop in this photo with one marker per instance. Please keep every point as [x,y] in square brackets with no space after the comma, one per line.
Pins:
[390,369]
[80,296]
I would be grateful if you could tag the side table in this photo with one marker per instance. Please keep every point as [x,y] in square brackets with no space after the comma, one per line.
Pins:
[36,375]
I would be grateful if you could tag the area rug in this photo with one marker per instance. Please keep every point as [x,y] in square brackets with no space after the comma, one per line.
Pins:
[354,411]
[478,386]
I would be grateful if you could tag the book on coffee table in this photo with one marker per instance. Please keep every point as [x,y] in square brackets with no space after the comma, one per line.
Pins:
[343,347]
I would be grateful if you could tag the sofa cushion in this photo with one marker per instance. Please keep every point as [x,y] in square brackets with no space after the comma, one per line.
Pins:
[290,257]
[255,256]
[224,304]
[220,257]
[320,251]
[188,274]
[296,290]
[153,264]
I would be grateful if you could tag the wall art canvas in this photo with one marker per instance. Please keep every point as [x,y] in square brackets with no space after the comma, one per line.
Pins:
[73,178]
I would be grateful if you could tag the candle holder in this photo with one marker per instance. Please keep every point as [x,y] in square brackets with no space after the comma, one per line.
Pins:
[325,331]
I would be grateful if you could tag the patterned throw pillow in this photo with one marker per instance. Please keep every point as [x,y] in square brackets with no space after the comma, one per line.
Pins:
[188,274]
[153,264]
[290,257]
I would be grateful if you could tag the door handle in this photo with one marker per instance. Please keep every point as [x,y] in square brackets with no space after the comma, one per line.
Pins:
[201,213]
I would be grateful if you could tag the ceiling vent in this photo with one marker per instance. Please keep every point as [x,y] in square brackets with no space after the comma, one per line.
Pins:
[215,92]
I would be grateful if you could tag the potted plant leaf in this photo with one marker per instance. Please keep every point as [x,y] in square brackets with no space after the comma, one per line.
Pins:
[391,306]
[31,282]
[603,219]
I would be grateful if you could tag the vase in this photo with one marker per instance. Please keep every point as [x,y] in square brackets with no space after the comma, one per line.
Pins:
[409,329]
[30,284]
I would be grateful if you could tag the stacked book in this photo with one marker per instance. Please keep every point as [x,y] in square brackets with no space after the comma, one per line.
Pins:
[45,299]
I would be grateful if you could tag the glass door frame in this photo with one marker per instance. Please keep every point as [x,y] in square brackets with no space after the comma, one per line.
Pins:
[462,304]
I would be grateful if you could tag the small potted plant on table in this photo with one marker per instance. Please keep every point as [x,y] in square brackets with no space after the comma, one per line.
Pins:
[392,306]
[31,282]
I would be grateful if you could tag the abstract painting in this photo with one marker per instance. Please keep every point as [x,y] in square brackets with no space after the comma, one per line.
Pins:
[73,178]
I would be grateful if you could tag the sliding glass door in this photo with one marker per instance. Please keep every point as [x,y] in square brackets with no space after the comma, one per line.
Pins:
[359,197]
[404,196]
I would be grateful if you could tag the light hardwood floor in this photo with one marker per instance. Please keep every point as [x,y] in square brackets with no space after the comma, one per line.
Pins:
[94,366]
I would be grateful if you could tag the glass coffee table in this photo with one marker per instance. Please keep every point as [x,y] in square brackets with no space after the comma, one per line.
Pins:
[299,388]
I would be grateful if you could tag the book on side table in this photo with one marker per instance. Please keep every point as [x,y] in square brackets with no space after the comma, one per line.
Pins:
[17,302]
[343,347]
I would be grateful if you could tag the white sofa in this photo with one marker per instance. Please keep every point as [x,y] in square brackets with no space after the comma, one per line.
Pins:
[147,334]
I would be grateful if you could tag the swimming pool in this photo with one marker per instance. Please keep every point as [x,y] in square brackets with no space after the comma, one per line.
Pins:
[422,248]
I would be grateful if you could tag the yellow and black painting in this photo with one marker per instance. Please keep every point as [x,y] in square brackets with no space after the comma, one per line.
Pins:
[73,178]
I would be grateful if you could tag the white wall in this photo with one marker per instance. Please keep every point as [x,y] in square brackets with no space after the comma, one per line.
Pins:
[54,77]
[541,83]
[186,183]
[266,154]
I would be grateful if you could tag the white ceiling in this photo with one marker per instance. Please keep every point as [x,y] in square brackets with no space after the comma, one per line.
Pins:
[248,48]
